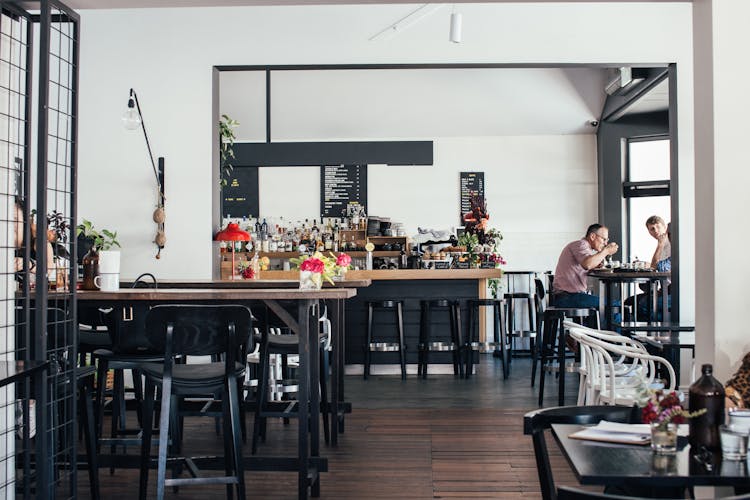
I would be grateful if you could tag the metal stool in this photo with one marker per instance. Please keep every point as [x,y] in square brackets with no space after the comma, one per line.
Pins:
[472,342]
[426,344]
[400,346]
[520,333]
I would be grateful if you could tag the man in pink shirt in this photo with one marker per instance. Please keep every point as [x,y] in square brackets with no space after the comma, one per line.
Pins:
[576,260]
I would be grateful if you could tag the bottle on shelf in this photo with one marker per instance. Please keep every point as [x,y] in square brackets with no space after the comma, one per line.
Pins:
[708,393]
[257,226]
[264,227]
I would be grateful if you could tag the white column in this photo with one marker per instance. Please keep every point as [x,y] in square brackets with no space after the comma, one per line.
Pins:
[722,178]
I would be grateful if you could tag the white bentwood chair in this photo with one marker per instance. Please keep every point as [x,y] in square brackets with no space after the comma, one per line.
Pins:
[616,367]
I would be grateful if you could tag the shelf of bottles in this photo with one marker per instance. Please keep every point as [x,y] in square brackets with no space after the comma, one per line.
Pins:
[280,239]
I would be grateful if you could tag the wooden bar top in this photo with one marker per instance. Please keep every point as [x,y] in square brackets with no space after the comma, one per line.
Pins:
[248,284]
[195,294]
[402,274]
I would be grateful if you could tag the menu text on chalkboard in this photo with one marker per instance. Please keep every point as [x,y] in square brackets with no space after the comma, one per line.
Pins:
[472,183]
[239,198]
[341,185]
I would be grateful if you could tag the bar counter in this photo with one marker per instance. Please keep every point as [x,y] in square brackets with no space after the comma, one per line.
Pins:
[409,285]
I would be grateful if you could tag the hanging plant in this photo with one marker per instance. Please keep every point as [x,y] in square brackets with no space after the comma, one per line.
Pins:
[226,139]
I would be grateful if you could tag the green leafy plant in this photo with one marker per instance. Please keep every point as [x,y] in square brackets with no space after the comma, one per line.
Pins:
[58,225]
[102,240]
[226,137]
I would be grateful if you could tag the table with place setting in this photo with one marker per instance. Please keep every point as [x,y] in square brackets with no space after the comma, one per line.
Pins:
[615,464]
[610,278]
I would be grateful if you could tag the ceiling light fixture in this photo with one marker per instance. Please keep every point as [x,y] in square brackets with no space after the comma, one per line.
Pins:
[132,119]
[455,33]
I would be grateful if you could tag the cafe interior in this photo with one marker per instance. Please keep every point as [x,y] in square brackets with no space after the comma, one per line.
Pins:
[146,344]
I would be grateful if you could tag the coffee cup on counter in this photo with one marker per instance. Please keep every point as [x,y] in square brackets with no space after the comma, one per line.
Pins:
[107,282]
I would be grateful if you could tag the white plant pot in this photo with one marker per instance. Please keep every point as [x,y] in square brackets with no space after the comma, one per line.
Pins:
[109,262]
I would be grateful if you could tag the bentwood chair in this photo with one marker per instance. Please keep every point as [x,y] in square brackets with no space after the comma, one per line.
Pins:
[537,421]
[567,493]
[196,330]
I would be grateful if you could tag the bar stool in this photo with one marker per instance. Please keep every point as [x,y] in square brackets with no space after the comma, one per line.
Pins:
[426,342]
[552,347]
[400,346]
[472,342]
[520,333]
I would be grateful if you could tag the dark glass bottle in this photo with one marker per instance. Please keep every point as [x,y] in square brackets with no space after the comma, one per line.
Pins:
[90,263]
[708,393]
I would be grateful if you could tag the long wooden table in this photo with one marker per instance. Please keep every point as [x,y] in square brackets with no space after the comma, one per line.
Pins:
[308,463]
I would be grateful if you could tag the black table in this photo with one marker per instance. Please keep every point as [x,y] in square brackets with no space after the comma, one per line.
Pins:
[605,464]
[668,345]
[610,279]
[35,372]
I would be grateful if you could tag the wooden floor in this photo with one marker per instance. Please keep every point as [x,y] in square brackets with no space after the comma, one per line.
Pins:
[421,439]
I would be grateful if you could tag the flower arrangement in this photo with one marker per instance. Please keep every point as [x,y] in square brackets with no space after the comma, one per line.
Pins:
[660,408]
[316,267]
[246,270]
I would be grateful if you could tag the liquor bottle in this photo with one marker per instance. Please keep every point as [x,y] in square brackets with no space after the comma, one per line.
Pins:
[708,393]
[257,226]
[264,227]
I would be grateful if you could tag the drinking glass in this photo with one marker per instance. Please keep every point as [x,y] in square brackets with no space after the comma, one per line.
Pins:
[733,442]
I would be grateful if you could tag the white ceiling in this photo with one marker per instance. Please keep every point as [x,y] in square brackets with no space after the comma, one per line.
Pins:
[132,4]
[423,103]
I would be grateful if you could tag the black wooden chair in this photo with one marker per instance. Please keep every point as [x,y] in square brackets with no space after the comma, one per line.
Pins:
[60,348]
[537,421]
[284,344]
[196,330]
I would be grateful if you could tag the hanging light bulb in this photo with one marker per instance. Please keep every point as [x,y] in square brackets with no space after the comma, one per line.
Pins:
[131,119]
[455,34]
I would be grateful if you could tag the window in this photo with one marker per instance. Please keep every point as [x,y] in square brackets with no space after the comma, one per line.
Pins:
[646,193]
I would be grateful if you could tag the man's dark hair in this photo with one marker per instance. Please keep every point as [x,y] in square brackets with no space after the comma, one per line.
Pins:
[593,228]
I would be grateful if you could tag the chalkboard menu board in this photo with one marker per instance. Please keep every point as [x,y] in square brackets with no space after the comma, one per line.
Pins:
[239,198]
[341,185]
[472,183]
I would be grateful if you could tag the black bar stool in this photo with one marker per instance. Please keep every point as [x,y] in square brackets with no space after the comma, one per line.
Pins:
[400,346]
[518,332]
[426,342]
[552,348]
[472,342]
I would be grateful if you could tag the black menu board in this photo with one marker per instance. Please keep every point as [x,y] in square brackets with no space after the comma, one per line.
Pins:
[341,185]
[239,198]
[472,183]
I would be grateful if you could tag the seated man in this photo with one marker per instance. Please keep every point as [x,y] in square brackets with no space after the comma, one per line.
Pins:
[569,288]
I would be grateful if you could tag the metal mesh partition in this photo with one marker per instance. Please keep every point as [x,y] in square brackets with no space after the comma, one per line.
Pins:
[37,214]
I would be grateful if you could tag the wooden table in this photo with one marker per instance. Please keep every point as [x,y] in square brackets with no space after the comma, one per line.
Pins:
[308,463]
[608,279]
[596,463]
[338,406]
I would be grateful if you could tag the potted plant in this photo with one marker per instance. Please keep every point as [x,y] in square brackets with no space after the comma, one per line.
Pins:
[101,257]
[57,235]
[226,140]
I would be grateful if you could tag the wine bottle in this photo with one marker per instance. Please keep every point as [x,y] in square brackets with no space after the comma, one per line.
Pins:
[708,393]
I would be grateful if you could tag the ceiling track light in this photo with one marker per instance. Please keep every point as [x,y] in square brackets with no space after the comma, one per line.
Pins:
[455,32]
[405,22]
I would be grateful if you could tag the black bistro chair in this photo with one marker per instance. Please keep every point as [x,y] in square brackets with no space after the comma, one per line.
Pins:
[537,421]
[196,330]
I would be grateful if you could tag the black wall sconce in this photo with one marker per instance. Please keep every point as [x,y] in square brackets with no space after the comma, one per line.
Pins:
[132,119]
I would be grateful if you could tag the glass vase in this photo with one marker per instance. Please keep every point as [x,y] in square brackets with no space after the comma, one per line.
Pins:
[664,437]
[90,269]
[340,274]
[309,280]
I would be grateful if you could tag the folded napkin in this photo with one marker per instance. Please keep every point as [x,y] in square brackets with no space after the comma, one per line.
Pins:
[615,432]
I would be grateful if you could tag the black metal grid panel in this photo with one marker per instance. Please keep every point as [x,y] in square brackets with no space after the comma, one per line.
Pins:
[15,263]
[56,198]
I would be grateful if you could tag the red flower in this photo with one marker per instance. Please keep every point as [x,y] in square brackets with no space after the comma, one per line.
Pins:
[343,260]
[248,273]
[313,265]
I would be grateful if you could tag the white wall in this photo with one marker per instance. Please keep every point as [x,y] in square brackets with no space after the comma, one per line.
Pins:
[168,54]
[723,177]
[541,191]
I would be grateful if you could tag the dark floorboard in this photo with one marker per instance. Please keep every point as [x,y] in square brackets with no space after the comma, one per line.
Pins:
[437,438]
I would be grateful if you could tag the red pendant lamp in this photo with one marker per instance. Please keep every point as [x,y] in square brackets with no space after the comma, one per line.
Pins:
[232,233]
